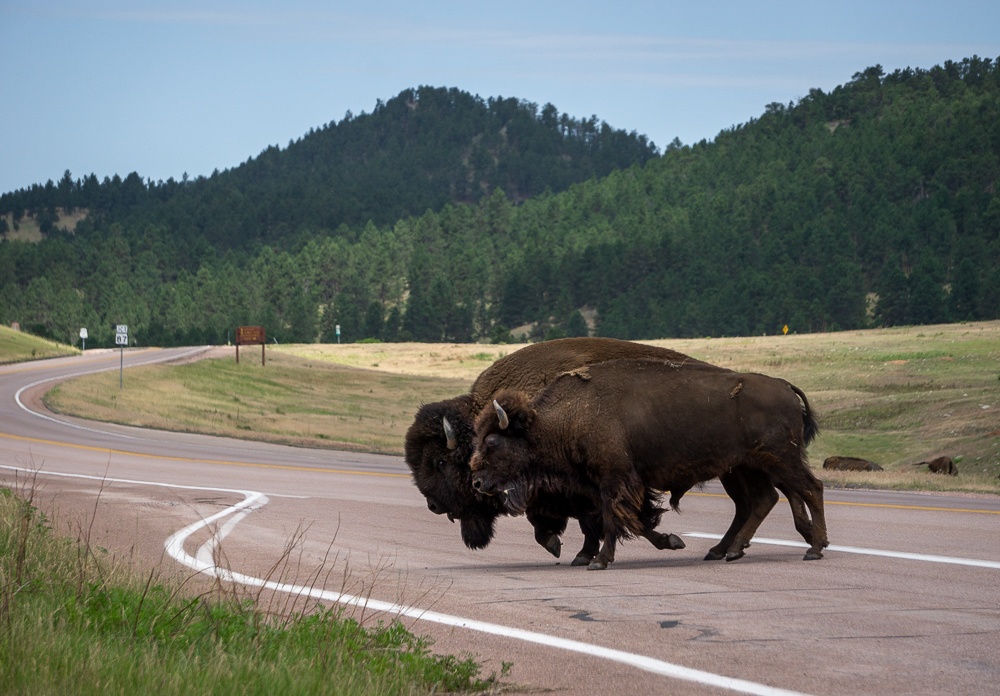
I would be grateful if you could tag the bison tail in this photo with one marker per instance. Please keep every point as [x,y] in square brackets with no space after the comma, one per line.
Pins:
[809,422]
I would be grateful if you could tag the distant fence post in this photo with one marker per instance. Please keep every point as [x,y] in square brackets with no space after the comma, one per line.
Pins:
[251,336]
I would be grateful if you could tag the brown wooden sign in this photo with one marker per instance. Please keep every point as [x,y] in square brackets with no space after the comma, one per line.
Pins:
[251,336]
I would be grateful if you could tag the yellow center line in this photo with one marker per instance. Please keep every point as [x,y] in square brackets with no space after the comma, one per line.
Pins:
[164,457]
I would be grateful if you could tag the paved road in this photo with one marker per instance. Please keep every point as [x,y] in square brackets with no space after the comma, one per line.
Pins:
[907,600]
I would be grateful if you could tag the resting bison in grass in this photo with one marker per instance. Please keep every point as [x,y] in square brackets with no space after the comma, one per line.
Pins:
[940,465]
[850,464]
[439,444]
[612,430]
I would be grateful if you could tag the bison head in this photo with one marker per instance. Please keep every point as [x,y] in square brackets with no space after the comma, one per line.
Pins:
[437,449]
[501,462]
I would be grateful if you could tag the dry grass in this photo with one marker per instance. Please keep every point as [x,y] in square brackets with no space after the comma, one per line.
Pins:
[894,396]
[290,401]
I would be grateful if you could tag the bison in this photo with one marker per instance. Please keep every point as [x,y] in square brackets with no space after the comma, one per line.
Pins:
[940,465]
[612,430]
[439,444]
[850,464]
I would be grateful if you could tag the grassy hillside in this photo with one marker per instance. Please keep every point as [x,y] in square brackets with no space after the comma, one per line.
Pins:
[17,346]
[895,396]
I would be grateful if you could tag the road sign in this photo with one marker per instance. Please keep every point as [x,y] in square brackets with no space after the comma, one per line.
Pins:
[251,335]
[121,339]
[83,334]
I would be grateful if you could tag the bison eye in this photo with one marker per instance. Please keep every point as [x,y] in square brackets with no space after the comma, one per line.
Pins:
[439,464]
[491,441]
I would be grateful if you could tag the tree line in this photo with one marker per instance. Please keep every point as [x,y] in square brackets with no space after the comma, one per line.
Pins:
[872,205]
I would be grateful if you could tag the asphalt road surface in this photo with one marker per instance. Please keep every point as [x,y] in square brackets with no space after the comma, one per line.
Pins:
[906,600]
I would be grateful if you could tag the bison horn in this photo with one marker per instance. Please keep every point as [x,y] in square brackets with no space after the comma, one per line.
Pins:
[449,433]
[501,414]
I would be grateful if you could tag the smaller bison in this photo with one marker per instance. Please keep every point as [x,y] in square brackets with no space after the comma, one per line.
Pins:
[940,465]
[850,464]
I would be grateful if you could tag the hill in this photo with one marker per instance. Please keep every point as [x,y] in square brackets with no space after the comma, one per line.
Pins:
[418,151]
[873,205]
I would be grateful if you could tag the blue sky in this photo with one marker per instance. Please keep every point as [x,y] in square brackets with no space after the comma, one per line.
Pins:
[167,88]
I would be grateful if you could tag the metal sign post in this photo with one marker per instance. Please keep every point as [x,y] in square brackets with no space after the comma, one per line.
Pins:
[83,337]
[121,340]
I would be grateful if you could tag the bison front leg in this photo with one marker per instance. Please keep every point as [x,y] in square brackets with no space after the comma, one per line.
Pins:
[662,540]
[606,555]
[622,500]
[592,530]
[547,531]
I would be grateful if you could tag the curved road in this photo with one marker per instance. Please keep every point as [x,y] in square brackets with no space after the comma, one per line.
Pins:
[906,601]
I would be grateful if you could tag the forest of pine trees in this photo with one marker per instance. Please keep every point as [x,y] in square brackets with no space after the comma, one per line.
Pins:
[444,217]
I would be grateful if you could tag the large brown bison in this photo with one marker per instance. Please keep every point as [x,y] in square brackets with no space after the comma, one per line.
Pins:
[439,444]
[612,430]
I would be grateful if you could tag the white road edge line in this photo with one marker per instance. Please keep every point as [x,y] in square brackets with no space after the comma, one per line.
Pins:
[23,406]
[203,562]
[861,550]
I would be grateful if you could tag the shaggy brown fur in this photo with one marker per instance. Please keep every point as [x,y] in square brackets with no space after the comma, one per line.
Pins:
[442,473]
[638,424]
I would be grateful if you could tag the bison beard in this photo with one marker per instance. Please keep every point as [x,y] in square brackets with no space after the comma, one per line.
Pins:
[477,531]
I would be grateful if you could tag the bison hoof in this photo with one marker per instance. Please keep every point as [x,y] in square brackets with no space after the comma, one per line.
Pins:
[553,545]
[714,555]
[581,559]
[734,556]
[812,555]
[669,541]
[597,565]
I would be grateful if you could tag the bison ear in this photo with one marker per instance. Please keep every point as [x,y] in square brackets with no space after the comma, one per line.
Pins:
[501,415]
[449,433]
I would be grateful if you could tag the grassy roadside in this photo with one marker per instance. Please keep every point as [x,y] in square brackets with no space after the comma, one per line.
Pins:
[894,396]
[17,346]
[290,401]
[72,620]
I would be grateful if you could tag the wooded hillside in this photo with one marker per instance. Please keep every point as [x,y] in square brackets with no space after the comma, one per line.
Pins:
[874,204]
